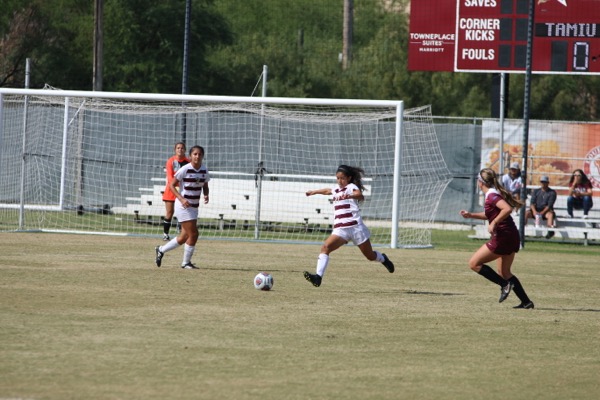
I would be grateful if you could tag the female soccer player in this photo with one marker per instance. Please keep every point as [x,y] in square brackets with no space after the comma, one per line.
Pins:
[172,166]
[348,224]
[193,180]
[504,243]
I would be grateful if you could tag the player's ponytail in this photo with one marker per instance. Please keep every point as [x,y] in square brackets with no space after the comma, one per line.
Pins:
[489,178]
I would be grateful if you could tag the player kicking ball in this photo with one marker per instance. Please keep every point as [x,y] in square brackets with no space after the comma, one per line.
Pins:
[347,222]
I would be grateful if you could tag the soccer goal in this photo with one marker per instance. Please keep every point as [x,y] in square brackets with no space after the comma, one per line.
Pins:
[94,162]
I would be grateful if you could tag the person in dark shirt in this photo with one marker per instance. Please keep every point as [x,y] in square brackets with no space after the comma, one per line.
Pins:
[542,205]
[505,241]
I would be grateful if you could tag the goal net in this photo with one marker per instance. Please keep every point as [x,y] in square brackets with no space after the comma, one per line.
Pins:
[94,162]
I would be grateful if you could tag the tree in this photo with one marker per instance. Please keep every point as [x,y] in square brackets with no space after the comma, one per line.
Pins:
[20,30]
[144,45]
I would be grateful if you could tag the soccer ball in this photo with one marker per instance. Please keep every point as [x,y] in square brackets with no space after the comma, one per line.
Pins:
[263,281]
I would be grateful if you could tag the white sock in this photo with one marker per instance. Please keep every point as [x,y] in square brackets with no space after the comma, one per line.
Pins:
[172,244]
[188,252]
[379,257]
[322,264]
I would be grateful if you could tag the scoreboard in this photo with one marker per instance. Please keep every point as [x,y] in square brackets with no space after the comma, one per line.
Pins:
[491,36]
[567,36]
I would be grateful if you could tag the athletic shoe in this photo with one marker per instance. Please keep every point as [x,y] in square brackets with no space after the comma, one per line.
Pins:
[189,266]
[568,216]
[550,235]
[585,217]
[159,256]
[387,263]
[528,305]
[166,237]
[313,278]
[505,291]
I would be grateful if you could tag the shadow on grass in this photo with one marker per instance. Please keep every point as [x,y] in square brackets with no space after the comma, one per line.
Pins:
[432,293]
[567,309]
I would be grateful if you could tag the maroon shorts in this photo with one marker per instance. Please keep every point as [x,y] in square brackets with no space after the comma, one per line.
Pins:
[504,243]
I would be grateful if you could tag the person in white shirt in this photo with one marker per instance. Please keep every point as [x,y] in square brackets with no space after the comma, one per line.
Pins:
[192,180]
[348,224]
[513,181]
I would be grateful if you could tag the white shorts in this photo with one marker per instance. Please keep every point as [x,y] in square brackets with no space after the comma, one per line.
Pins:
[357,234]
[185,214]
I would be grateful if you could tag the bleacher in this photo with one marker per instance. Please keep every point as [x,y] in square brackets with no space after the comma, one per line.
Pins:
[233,201]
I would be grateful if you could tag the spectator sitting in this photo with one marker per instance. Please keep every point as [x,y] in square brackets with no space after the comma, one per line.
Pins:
[542,205]
[580,194]
[512,181]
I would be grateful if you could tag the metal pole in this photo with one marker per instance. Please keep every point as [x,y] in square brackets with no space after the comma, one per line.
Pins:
[98,44]
[63,164]
[260,171]
[23,166]
[347,33]
[396,177]
[526,101]
[502,108]
[186,47]
[186,64]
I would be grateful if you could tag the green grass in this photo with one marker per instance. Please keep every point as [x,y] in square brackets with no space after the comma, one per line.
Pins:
[91,317]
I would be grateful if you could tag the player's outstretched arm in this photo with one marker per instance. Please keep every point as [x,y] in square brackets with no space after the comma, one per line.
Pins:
[325,191]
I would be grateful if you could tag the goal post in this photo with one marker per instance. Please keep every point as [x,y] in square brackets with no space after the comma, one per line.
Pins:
[93,162]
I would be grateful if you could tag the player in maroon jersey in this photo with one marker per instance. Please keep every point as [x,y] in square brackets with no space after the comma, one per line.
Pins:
[505,241]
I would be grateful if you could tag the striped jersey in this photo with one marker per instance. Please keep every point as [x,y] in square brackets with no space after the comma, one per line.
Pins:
[346,212]
[191,182]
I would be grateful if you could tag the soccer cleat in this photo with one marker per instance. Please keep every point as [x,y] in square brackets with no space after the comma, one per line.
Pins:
[528,305]
[159,256]
[550,235]
[387,263]
[313,278]
[505,291]
[166,237]
[189,266]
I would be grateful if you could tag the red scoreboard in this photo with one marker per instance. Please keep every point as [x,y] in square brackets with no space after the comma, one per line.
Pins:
[491,36]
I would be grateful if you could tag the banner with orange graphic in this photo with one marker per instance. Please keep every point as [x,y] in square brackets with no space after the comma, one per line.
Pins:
[555,149]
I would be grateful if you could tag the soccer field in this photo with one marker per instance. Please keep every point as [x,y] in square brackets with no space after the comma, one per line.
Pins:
[92,317]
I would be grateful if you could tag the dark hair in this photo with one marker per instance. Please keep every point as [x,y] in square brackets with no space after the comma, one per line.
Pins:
[177,144]
[489,178]
[354,173]
[584,178]
[197,147]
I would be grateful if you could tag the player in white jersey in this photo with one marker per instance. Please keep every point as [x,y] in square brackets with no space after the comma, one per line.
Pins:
[192,180]
[347,222]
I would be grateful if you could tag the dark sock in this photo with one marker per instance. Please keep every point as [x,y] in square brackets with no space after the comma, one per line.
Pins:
[166,226]
[518,289]
[491,275]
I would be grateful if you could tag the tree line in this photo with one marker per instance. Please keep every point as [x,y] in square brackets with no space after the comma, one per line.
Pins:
[231,40]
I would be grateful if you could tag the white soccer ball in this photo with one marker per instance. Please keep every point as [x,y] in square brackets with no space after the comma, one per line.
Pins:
[263,281]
